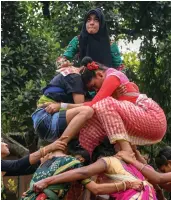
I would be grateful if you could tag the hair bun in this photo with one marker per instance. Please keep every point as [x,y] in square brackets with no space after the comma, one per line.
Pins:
[163,158]
[86,60]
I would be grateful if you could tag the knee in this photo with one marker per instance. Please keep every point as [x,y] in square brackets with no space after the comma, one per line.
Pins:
[88,112]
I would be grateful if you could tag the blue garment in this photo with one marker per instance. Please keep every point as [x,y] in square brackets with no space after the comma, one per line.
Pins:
[52,89]
[49,127]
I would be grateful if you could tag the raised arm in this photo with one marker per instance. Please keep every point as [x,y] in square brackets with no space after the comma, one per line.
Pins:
[58,144]
[151,174]
[23,166]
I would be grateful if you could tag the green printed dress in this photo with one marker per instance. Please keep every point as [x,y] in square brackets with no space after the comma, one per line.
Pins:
[54,166]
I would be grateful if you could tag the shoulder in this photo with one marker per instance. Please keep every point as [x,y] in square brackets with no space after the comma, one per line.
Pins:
[113,45]
[110,160]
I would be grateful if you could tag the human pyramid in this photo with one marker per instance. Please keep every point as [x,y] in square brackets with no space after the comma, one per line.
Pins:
[87,111]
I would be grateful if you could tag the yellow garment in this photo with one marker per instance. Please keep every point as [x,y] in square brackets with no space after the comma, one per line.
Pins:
[43,99]
[114,166]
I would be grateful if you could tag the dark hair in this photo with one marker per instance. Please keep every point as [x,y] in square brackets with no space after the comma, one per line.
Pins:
[85,154]
[87,74]
[163,156]
[74,148]
[103,150]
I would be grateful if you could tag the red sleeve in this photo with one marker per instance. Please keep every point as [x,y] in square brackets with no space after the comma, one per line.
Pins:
[109,85]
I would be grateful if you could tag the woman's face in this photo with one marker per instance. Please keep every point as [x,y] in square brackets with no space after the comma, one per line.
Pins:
[96,82]
[92,24]
[4,150]
[166,168]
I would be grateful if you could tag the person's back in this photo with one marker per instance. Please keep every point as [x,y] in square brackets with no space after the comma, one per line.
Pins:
[62,87]
[50,167]
[132,90]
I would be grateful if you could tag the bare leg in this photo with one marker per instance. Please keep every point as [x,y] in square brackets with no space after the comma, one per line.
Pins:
[138,155]
[125,146]
[76,119]
[117,147]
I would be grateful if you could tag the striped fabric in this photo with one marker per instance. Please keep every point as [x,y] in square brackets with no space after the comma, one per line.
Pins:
[142,123]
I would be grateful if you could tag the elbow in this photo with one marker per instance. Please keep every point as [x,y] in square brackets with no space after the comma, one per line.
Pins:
[160,179]
[97,190]
[157,179]
[84,173]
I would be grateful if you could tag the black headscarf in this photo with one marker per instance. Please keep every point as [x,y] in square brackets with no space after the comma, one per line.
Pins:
[96,46]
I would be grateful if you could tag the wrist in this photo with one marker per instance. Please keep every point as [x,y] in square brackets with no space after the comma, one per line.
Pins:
[48,148]
[137,164]
[42,151]
[128,185]
[64,106]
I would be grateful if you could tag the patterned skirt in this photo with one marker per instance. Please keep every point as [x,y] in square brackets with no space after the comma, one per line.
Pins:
[142,123]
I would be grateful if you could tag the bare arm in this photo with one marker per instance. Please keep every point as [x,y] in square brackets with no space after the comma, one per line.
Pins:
[78,98]
[76,174]
[138,155]
[58,144]
[79,174]
[152,175]
[107,188]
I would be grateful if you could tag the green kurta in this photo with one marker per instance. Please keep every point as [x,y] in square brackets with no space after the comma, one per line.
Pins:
[73,49]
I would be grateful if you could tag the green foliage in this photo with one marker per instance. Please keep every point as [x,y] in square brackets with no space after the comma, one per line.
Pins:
[32,42]
[27,60]
[11,185]
[132,64]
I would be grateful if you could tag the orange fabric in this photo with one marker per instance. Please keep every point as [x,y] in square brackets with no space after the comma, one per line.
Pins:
[130,87]
[109,86]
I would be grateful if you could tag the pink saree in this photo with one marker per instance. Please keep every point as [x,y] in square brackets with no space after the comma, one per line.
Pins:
[148,193]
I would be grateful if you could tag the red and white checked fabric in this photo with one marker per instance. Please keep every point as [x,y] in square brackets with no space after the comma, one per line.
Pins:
[142,123]
[92,134]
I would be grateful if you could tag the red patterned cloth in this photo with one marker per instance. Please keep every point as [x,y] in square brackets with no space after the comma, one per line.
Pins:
[142,123]
[41,196]
[75,191]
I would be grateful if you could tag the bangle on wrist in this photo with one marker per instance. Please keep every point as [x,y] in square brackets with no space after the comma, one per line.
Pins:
[41,151]
[128,184]
[124,185]
[44,151]
[116,187]
[144,165]
[64,105]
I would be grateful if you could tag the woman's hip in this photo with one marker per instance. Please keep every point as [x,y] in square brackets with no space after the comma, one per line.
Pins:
[49,127]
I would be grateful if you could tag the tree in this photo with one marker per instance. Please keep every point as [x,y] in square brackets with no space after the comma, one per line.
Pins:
[28,56]
[31,42]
